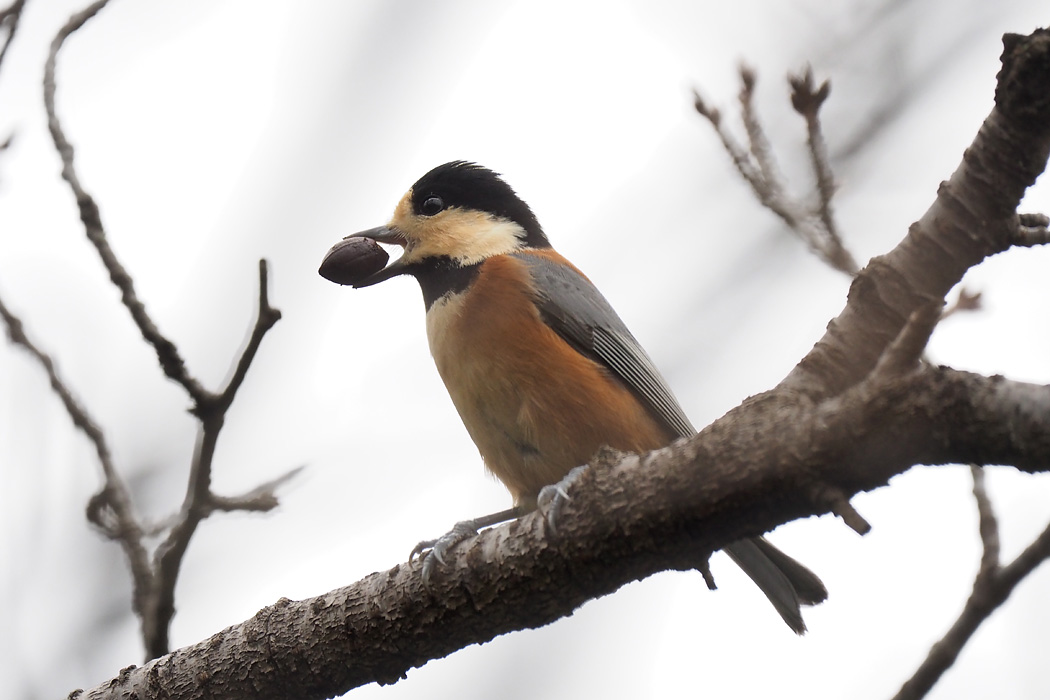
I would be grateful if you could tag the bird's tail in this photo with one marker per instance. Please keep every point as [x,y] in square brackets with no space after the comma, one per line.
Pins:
[787,583]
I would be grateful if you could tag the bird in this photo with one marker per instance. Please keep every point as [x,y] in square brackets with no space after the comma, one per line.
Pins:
[540,367]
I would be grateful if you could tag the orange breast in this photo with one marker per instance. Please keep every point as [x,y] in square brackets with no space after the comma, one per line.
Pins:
[533,405]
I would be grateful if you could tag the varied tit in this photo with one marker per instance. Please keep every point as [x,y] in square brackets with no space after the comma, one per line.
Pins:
[541,369]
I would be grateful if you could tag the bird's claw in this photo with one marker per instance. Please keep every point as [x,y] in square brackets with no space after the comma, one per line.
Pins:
[552,499]
[432,552]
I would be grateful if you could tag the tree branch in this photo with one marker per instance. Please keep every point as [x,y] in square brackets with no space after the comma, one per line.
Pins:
[154,598]
[813,225]
[630,517]
[9,19]
[992,586]
[170,359]
[264,321]
[262,498]
[807,101]
[111,509]
[1032,230]
[974,216]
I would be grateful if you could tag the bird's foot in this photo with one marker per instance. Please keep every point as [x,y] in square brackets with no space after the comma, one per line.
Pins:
[552,499]
[432,552]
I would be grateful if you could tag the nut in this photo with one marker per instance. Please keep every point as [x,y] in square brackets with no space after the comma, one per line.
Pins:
[352,260]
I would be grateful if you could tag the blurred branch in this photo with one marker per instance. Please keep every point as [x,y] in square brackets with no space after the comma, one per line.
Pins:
[262,498]
[265,320]
[992,586]
[200,502]
[110,509]
[170,360]
[813,223]
[807,101]
[9,19]
[965,301]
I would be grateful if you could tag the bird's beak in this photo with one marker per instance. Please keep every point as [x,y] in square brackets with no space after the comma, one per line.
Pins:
[383,234]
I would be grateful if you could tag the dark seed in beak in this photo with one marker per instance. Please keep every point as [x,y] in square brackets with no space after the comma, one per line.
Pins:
[352,260]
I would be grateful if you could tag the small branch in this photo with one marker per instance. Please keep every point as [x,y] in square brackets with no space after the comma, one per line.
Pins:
[761,150]
[265,320]
[966,301]
[813,224]
[170,359]
[988,526]
[79,415]
[200,502]
[837,501]
[906,349]
[1032,230]
[110,509]
[807,101]
[736,152]
[262,498]
[155,585]
[9,19]
[991,588]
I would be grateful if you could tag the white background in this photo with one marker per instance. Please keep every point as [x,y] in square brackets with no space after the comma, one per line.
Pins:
[216,132]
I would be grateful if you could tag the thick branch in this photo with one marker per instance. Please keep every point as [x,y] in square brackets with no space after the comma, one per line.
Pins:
[629,517]
[974,216]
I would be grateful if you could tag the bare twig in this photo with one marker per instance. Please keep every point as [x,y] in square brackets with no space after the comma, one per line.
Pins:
[966,301]
[807,101]
[906,349]
[9,18]
[761,149]
[266,319]
[200,502]
[1032,230]
[992,586]
[262,498]
[814,224]
[170,359]
[110,510]
[740,157]
[988,526]
[837,501]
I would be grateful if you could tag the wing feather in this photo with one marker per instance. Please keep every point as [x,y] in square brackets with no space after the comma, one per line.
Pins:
[577,311]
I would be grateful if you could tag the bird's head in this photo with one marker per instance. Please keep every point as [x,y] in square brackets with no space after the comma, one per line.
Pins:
[458,214]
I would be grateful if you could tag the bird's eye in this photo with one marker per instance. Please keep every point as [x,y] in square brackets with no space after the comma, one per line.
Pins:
[432,205]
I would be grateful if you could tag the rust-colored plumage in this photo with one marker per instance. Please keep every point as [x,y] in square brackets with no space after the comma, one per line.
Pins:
[527,398]
[540,367]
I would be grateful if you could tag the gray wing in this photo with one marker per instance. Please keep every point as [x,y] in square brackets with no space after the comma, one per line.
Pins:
[577,311]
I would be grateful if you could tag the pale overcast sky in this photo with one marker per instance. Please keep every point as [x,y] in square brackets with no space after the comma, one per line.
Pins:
[216,132]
